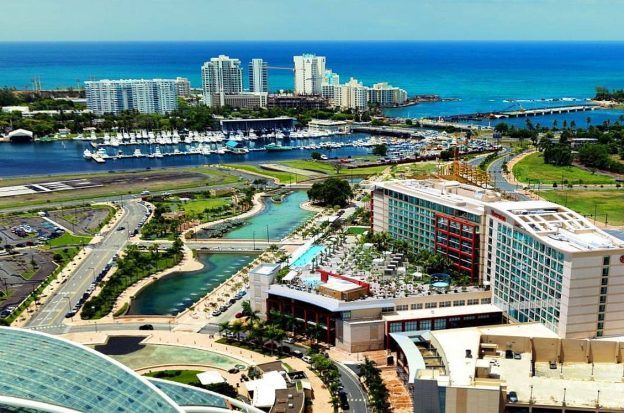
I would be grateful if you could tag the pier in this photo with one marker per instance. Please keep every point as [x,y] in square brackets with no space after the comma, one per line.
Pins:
[385,131]
[519,113]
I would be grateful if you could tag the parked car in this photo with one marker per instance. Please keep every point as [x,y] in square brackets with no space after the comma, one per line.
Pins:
[216,313]
[238,315]
[146,327]
[307,359]
[290,340]
[297,353]
[512,397]
[344,403]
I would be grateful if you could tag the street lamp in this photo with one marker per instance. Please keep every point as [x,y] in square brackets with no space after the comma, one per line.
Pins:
[267,230]
[254,240]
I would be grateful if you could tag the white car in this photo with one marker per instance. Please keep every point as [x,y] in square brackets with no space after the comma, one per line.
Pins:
[307,359]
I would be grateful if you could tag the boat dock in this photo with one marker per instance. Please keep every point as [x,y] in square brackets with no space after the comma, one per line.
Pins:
[519,113]
[386,131]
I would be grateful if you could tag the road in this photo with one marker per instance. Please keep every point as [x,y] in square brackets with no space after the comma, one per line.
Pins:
[355,393]
[53,311]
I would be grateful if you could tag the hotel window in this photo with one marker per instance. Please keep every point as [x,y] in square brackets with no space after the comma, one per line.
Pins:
[445,304]
[458,303]
[345,315]
[473,301]
[396,327]
[606,260]
[486,301]
[605,281]
[603,290]
[411,326]
[439,324]
[431,305]
[605,271]
[387,309]
[418,306]
[425,324]
[401,307]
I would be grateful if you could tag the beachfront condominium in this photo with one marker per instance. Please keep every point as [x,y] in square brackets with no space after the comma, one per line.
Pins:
[221,76]
[258,76]
[351,95]
[183,87]
[145,96]
[385,95]
[309,71]
[544,262]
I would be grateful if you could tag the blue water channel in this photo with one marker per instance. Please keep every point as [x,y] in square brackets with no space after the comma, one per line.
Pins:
[176,292]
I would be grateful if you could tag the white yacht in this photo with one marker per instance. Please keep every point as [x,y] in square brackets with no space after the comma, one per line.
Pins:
[158,153]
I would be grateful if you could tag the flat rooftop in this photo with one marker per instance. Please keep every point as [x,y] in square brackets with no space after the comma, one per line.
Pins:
[451,193]
[582,383]
[557,226]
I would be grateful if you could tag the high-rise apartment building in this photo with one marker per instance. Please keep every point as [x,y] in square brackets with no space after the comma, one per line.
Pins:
[309,71]
[258,76]
[385,95]
[145,96]
[183,87]
[221,76]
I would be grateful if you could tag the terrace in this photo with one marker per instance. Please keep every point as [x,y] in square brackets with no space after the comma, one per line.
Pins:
[343,264]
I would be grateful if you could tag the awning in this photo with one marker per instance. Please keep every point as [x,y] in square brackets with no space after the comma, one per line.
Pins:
[210,377]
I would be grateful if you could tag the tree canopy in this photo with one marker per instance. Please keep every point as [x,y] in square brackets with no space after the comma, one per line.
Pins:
[332,191]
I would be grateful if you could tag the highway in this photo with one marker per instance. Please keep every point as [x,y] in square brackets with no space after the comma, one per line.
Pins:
[53,311]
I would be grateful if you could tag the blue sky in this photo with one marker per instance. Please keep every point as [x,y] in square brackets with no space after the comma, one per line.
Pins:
[24,20]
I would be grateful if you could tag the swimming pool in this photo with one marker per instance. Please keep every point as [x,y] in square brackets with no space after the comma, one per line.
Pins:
[307,257]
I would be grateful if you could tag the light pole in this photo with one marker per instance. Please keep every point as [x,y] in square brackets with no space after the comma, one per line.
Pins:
[254,240]
[268,239]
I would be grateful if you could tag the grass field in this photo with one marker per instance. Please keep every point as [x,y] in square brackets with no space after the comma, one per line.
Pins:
[117,184]
[607,204]
[417,168]
[67,239]
[357,230]
[199,205]
[533,168]
[283,177]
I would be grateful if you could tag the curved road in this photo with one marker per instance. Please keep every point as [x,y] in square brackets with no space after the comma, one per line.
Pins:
[53,311]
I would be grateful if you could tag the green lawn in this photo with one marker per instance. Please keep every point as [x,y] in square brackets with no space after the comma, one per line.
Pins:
[199,205]
[417,168]
[357,230]
[283,177]
[533,168]
[179,376]
[67,239]
[310,165]
[607,203]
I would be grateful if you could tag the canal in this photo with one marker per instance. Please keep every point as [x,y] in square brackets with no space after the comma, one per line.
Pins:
[174,293]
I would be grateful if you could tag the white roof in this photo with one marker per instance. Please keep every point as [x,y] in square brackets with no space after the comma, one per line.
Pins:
[264,389]
[328,303]
[338,284]
[265,269]
[555,225]
[20,132]
[210,377]
[290,276]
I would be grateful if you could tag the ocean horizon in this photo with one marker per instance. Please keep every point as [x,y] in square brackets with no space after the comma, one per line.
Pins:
[481,75]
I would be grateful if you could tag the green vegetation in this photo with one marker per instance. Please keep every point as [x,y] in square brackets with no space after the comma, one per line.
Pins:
[134,266]
[66,240]
[199,206]
[356,230]
[380,150]
[330,192]
[377,390]
[615,95]
[532,168]
[327,371]
[282,177]
[487,161]
[188,377]
[122,310]
[606,204]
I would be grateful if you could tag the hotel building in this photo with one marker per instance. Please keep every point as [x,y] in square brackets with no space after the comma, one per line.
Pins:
[543,261]
[145,96]
[385,95]
[309,71]
[258,76]
[221,76]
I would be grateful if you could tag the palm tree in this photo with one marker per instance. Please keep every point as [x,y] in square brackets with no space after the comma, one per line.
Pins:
[251,314]
[236,328]
[224,327]
[257,333]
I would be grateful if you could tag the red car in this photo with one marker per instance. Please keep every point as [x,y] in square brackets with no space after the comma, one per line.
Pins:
[238,315]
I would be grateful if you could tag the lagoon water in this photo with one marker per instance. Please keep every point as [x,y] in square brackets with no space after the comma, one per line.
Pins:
[176,292]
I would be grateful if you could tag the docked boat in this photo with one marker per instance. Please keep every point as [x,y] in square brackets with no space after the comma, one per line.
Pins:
[87,154]
[158,153]
[273,147]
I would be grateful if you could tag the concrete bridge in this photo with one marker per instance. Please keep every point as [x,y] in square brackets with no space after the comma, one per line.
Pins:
[225,245]
[521,113]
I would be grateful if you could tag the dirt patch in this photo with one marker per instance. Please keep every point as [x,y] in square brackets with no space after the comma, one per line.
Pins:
[81,220]
[13,269]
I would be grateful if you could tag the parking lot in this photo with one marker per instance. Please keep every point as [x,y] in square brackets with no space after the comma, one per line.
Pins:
[19,232]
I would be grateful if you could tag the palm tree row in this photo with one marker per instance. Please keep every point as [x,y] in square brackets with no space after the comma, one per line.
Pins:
[377,389]
[256,332]
[328,373]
